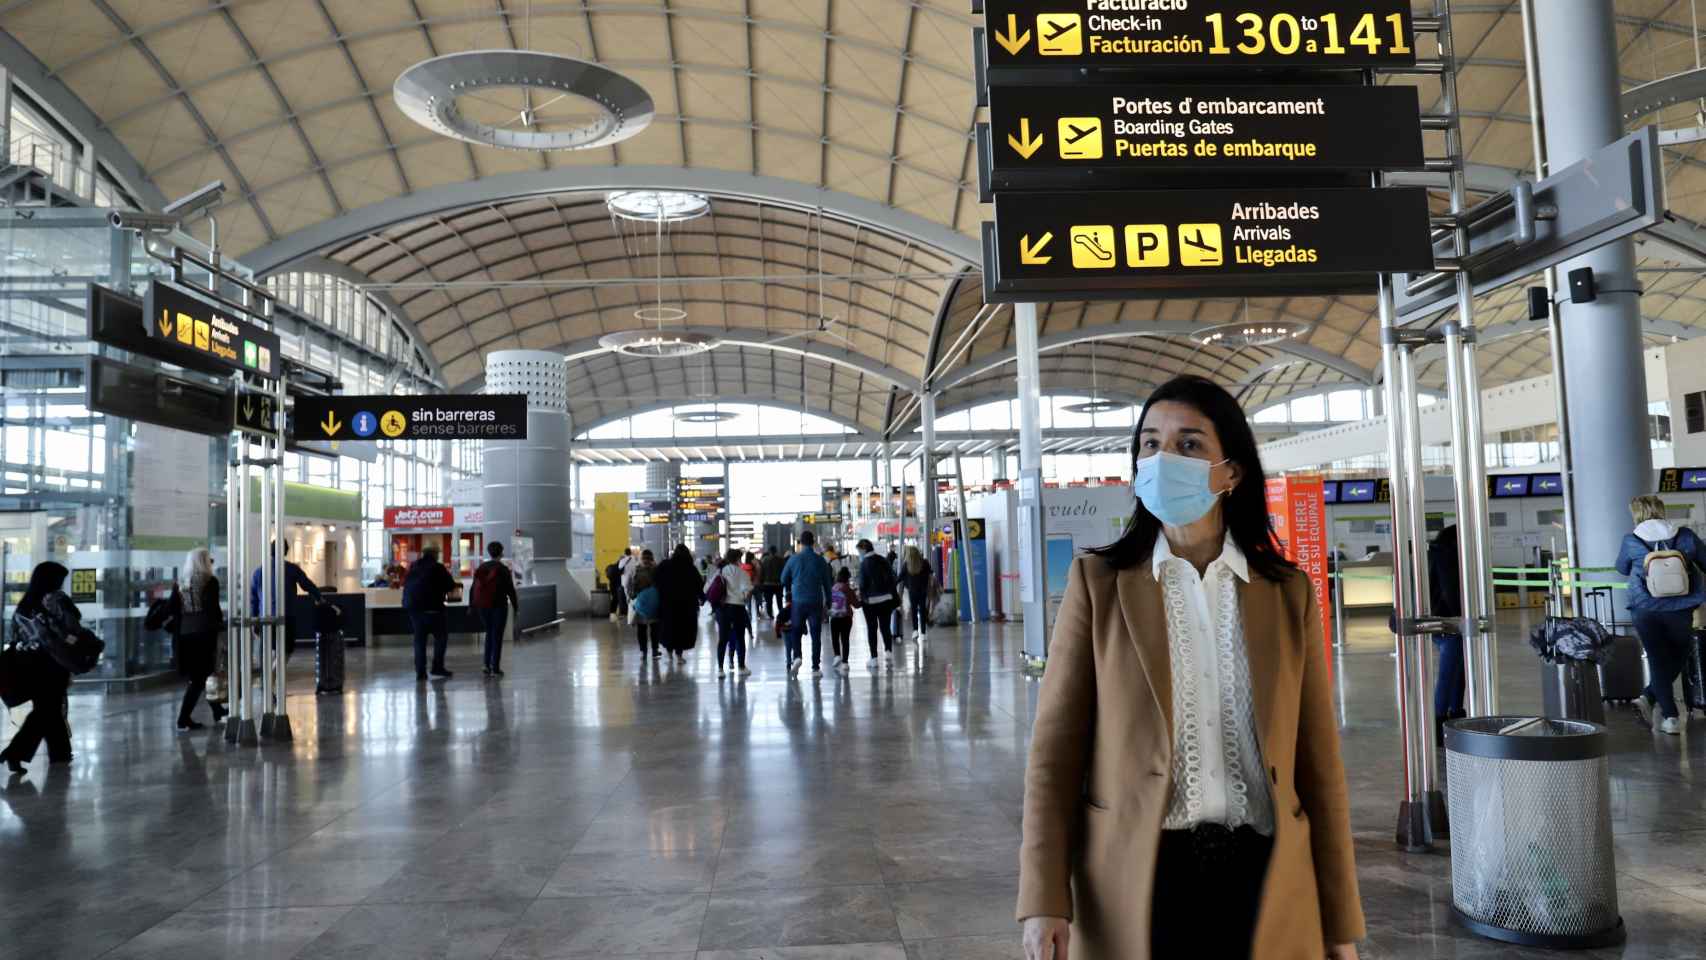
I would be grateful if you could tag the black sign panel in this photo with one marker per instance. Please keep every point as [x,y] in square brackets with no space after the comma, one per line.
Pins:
[1682,479]
[1169,34]
[1168,241]
[494,417]
[1124,129]
[209,331]
[252,412]
[123,390]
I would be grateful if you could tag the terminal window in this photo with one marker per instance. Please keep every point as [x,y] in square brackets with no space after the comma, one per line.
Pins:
[1694,406]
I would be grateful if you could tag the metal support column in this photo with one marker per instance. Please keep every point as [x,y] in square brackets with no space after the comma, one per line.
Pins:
[281,587]
[927,471]
[1577,70]
[1032,540]
[236,532]
[242,672]
[270,547]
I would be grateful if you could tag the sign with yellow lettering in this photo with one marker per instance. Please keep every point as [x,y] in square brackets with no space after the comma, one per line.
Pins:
[1047,135]
[211,331]
[1137,34]
[1226,241]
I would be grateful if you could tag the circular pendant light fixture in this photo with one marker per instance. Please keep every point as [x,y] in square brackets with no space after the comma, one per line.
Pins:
[705,416]
[523,100]
[1265,333]
[657,344]
[1095,404]
[652,206]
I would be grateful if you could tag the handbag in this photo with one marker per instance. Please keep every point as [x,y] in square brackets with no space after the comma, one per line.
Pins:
[15,672]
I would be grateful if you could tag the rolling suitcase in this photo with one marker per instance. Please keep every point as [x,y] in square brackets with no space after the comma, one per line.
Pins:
[328,649]
[1571,691]
[1623,672]
[1694,674]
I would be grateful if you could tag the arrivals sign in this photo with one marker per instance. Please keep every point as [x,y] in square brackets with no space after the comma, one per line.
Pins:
[1168,34]
[1129,128]
[208,331]
[479,417]
[1235,240]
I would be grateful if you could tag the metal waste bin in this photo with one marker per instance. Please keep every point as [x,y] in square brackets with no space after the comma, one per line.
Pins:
[1530,808]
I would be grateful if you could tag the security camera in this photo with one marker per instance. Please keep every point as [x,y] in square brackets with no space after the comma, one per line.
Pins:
[143,222]
[188,206]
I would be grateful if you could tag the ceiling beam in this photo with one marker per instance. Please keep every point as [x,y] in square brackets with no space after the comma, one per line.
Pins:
[280,253]
[1115,331]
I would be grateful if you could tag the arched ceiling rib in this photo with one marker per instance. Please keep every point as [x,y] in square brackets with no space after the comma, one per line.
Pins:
[862,109]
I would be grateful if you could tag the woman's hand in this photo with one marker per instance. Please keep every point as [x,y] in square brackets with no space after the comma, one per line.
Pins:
[1046,938]
[1342,951]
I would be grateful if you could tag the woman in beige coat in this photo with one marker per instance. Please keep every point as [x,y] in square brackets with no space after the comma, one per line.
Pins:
[1185,796]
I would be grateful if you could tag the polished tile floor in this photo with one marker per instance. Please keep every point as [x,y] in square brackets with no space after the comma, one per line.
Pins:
[591,805]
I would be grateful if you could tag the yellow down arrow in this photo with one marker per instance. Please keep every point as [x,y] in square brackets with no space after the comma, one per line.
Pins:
[1024,144]
[1031,255]
[165,323]
[331,426]
[1013,41]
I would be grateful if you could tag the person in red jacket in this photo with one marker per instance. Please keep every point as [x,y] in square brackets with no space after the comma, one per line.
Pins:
[494,586]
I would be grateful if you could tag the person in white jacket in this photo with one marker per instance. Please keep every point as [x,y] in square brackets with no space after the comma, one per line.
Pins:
[731,614]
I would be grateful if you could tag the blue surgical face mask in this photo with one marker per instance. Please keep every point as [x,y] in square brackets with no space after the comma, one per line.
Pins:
[1176,489]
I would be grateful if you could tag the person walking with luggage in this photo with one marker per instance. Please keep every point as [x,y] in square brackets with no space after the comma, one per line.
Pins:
[199,622]
[919,579]
[294,580]
[51,645]
[770,581]
[640,578]
[807,580]
[1663,563]
[492,598]
[731,613]
[1445,591]
[425,589]
[880,593]
[843,600]
[680,592]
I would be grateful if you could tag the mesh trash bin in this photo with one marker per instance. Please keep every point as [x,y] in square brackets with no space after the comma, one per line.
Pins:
[1530,807]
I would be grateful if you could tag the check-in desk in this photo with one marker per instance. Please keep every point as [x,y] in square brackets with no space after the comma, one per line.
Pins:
[386,616]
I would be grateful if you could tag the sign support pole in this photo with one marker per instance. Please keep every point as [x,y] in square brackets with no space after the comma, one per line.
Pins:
[281,718]
[235,524]
[270,547]
[1033,548]
[246,733]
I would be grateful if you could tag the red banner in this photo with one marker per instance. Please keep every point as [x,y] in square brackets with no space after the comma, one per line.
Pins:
[1297,509]
[419,518]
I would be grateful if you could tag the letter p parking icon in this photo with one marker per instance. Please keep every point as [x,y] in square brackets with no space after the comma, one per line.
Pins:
[1146,245]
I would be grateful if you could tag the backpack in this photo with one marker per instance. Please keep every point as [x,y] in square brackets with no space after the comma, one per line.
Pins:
[485,594]
[840,602]
[645,604]
[613,574]
[718,589]
[1666,572]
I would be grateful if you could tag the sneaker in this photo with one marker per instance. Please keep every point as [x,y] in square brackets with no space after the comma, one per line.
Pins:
[837,663]
[793,667]
[872,663]
[441,672]
[817,671]
[1645,708]
[487,671]
[496,672]
[843,668]
[720,673]
[745,671]
[1672,726]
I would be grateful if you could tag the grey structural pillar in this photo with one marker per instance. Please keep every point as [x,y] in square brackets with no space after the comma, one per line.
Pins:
[527,481]
[660,538]
[1602,340]
[1033,582]
[927,471]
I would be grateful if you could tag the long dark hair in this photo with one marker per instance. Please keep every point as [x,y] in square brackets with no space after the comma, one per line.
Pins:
[46,578]
[1245,509]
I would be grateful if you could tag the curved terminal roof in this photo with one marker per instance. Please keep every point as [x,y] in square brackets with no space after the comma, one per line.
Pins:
[835,137]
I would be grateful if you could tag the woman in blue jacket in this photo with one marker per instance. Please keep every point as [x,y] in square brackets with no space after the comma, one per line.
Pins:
[1664,624]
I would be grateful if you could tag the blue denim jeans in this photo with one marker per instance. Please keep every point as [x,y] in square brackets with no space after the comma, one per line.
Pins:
[731,634]
[806,617]
[496,619]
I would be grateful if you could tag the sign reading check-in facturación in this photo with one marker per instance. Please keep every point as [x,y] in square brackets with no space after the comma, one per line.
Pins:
[483,417]
[1195,238]
[1135,128]
[1149,34]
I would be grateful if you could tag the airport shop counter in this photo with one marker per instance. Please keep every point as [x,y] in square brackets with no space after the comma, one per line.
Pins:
[386,616]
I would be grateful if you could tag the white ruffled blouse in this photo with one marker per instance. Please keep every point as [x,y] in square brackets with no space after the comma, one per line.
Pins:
[1217,762]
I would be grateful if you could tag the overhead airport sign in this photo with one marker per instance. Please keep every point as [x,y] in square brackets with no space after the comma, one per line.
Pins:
[208,331]
[252,412]
[479,417]
[1109,131]
[1682,479]
[1169,34]
[1231,240]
